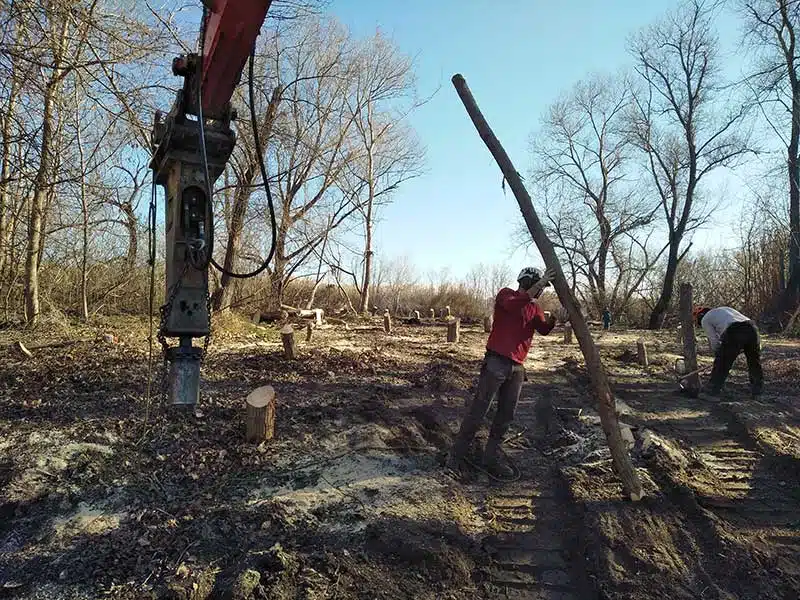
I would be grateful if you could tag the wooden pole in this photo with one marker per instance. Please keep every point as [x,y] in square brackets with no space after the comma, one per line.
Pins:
[692,383]
[433,315]
[447,313]
[487,324]
[260,416]
[454,330]
[597,376]
[309,332]
[568,333]
[287,336]
[257,317]
[641,352]
[387,322]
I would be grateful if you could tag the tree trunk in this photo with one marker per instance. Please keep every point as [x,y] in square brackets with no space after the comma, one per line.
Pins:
[793,287]
[5,170]
[241,201]
[223,295]
[132,225]
[84,214]
[659,311]
[597,377]
[36,216]
[363,305]
[41,187]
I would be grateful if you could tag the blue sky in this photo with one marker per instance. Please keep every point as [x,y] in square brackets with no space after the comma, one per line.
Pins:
[517,57]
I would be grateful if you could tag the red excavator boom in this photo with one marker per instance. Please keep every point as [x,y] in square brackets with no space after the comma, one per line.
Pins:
[231,30]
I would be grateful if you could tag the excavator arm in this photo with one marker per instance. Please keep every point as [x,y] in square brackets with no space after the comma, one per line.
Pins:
[187,159]
[231,29]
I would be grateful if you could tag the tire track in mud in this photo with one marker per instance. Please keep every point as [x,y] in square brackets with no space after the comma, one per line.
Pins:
[742,502]
[536,551]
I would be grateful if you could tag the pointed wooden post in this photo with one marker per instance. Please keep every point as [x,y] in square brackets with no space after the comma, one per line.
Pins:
[287,337]
[309,332]
[487,324]
[594,365]
[568,333]
[692,383]
[387,322]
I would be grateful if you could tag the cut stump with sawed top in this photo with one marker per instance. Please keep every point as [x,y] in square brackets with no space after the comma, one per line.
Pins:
[260,418]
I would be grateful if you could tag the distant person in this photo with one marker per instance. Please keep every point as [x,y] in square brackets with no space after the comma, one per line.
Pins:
[729,334]
[606,318]
[516,317]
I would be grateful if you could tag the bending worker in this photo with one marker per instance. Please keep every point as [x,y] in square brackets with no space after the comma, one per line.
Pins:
[516,317]
[729,334]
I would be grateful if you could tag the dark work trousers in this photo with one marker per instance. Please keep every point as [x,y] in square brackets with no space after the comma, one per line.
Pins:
[501,377]
[737,338]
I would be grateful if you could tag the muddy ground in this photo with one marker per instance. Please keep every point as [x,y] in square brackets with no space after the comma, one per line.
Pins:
[103,497]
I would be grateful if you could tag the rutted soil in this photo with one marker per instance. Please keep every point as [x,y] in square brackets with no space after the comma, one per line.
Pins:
[106,496]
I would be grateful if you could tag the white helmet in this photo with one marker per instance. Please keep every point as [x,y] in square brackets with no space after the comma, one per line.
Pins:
[531,273]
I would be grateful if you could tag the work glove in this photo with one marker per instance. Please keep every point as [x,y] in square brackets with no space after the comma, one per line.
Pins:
[548,276]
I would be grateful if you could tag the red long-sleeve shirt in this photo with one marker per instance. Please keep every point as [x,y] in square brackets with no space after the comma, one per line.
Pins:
[515,320]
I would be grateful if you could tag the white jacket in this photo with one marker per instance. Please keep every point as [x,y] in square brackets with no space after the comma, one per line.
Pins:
[717,320]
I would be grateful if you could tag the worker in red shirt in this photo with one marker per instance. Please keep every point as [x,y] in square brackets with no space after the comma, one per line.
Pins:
[516,317]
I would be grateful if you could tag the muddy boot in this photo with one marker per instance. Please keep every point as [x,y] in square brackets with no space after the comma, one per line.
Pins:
[455,459]
[492,463]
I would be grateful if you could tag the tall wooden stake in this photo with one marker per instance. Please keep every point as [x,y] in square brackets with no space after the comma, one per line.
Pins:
[597,376]
[487,324]
[691,383]
[568,333]
[387,322]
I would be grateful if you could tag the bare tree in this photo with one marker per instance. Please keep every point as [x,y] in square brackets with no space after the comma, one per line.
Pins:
[584,152]
[772,27]
[675,123]
[388,151]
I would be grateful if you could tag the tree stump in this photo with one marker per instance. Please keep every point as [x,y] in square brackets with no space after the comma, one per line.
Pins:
[454,330]
[309,332]
[387,322]
[691,383]
[487,324]
[447,312]
[287,336]
[260,417]
[433,315]
[567,333]
[641,352]
[256,317]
